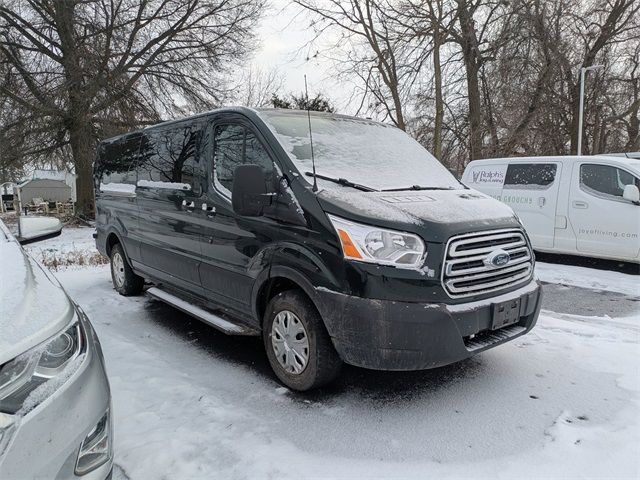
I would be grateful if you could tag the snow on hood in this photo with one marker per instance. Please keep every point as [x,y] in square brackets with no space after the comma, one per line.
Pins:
[418,207]
[33,305]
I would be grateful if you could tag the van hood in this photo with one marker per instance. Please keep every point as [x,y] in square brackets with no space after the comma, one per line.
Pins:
[33,305]
[434,214]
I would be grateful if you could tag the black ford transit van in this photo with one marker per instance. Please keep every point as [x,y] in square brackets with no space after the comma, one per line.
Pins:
[382,259]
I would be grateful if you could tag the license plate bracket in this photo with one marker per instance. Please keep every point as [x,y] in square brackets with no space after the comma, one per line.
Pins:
[506,313]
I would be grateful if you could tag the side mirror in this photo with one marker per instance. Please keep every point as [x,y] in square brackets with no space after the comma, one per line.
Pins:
[34,229]
[249,195]
[631,193]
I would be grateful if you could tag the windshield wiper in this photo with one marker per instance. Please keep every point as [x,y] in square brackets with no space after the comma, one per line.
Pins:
[342,181]
[416,187]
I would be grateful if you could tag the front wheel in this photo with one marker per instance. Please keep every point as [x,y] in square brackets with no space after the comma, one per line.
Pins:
[298,346]
[124,280]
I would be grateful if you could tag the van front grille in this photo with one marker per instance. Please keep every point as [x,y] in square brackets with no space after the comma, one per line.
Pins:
[468,269]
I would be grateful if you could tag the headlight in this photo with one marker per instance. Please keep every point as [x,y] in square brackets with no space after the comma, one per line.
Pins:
[378,245]
[20,377]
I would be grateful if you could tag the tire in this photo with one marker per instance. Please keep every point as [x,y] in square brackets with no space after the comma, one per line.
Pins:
[295,318]
[124,280]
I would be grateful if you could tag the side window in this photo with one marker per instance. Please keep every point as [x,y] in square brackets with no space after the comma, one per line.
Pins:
[235,145]
[530,175]
[228,153]
[605,180]
[169,159]
[116,163]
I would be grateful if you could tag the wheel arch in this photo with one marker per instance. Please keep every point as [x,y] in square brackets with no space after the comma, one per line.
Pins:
[276,280]
[113,237]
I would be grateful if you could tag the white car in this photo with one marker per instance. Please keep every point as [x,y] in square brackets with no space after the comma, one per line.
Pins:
[579,205]
[55,402]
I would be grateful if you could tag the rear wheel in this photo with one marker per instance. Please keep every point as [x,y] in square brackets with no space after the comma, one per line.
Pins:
[124,280]
[298,346]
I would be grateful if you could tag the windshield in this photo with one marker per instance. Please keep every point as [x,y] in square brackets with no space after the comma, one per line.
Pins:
[361,151]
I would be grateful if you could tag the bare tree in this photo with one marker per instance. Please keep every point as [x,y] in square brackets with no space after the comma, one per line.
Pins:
[87,68]
[430,24]
[375,55]
[606,23]
[516,66]
[257,86]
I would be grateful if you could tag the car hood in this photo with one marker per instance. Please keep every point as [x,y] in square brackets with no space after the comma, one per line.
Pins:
[435,214]
[33,305]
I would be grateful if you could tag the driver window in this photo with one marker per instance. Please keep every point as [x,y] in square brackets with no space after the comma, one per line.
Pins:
[235,145]
[605,180]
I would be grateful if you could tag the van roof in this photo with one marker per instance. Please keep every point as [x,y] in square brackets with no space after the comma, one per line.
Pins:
[247,111]
[554,158]
[635,155]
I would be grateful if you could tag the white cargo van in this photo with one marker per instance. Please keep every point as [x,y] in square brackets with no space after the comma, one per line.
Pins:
[586,206]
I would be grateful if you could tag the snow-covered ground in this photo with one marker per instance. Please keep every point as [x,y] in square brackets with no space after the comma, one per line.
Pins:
[74,247]
[189,402]
[603,280]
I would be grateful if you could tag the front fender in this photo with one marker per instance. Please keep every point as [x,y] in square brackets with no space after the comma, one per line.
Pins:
[301,266]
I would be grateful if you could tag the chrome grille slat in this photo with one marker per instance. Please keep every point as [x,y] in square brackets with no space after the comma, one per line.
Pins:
[486,273]
[522,274]
[465,273]
[478,251]
[452,263]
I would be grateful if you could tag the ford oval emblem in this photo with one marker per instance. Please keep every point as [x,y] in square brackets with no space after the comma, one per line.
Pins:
[497,258]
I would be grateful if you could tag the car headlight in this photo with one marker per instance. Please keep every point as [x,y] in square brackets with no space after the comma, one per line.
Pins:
[366,243]
[23,375]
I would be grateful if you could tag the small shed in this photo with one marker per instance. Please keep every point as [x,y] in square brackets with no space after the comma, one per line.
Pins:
[47,189]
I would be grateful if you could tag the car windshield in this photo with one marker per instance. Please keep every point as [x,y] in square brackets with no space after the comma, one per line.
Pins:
[364,152]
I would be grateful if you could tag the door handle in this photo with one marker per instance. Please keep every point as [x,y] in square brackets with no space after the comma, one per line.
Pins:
[189,206]
[210,210]
[542,201]
[580,204]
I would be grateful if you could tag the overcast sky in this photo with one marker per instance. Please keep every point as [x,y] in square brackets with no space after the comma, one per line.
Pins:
[282,38]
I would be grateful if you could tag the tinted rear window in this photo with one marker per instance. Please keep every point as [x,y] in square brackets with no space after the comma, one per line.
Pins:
[116,161]
[170,158]
[530,174]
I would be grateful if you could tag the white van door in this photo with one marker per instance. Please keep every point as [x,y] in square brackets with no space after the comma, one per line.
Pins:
[531,189]
[604,223]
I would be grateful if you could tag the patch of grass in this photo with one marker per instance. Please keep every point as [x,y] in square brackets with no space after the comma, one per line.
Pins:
[55,260]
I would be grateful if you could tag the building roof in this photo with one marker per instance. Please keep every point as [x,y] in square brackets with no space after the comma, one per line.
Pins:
[48,182]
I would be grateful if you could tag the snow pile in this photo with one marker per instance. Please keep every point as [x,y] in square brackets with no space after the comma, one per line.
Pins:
[164,185]
[123,188]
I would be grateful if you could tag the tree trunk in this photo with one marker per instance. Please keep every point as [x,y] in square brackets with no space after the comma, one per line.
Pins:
[83,148]
[633,127]
[397,103]
[491,124]
[80,128]
[472,68]
[437,68]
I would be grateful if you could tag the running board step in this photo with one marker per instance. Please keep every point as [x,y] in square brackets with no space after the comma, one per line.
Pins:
[216,321]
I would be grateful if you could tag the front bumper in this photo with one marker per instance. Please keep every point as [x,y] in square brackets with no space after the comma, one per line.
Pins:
[388,335]
[44,444]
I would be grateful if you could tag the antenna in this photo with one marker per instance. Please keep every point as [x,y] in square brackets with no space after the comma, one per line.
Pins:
[313,160]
